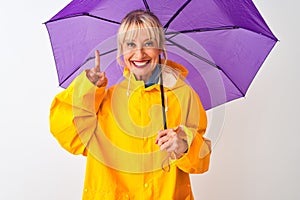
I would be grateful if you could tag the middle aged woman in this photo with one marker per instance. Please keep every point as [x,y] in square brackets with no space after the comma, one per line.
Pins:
[130,155]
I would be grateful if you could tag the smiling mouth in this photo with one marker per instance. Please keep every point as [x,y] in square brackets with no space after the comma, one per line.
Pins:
[140,64]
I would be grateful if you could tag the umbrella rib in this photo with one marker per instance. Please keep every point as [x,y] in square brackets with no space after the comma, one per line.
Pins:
[146,5]
[177,13]
[83,14]
[216,29]
[194,54]
[88,59]
[101,18]
[207,61]
[203,30]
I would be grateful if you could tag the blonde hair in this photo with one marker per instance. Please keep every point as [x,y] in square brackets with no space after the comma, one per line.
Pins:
[133,23]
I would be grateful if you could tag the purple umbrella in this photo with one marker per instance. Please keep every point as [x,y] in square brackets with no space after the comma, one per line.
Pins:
[222,43]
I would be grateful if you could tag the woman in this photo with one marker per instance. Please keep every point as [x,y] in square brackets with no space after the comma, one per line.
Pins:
[130,155]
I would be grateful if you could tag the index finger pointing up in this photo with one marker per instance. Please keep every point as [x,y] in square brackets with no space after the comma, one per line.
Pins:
[97,61]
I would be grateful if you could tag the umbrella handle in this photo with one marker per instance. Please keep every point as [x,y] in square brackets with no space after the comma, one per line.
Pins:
[162,98]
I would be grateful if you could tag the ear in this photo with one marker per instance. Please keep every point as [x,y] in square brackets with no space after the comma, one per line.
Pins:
[160,51]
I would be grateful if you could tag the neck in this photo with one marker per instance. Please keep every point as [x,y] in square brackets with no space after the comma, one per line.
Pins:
[143,78]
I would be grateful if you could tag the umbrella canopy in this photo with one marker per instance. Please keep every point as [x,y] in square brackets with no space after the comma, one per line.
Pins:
[222,43]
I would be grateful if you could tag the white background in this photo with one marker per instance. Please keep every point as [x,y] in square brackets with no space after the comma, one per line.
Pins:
[256,156]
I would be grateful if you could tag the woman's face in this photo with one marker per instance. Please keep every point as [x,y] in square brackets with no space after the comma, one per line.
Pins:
[141,54]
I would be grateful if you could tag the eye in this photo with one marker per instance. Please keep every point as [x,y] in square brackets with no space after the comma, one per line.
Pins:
[149,44]
[131,44]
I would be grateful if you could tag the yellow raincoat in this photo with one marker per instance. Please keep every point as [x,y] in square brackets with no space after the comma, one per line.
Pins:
[116,129]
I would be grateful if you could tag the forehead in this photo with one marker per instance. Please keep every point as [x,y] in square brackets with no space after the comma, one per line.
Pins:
[135,32]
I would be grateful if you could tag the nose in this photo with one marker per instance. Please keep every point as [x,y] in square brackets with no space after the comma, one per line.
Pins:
[139,53]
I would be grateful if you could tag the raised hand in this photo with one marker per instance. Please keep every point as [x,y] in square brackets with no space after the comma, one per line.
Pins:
[95,75]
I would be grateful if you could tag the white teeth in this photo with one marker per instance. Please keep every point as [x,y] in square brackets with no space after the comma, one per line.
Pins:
[140,63]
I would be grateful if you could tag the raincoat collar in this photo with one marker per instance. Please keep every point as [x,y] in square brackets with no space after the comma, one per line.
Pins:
[154,77]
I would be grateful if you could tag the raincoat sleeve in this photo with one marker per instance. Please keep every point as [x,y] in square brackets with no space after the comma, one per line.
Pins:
[197,158]
[73,114]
